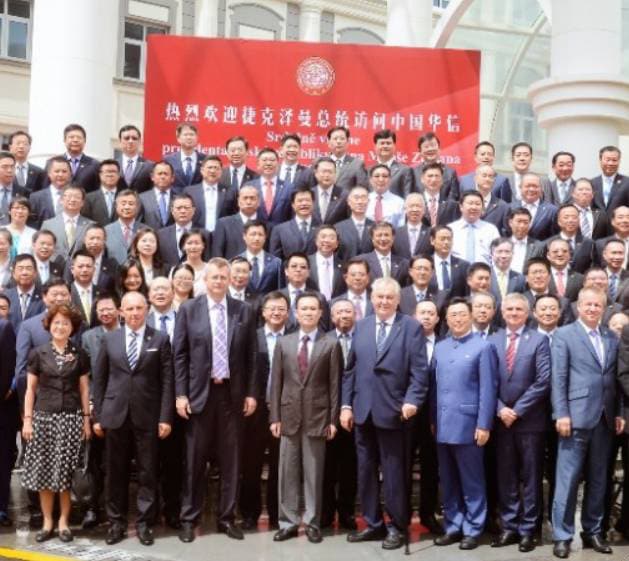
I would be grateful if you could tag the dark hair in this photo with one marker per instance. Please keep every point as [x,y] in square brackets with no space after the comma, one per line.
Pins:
[594,269]
[67,311]
[188,268]
[323,159]
[74,127]
[609,148]
[383,134]
[52,282]
[478,266]
[181,197]
[432,165]
[519,211]
[189,234]
[299,191]
[484,143]
[211,158]
[356,261]
[254,224]
[123,273]
[96,226]
[421,257]
[39,233]
[19,133]
[536,261]
[459,300]
[290,136]
[468,194]
[182,126]
[379,166]
[436,229]
[74,187]
[83,253]
[108,162]
[499,241]
[308,294]
[8,155]
[547,295]
[133,247]
[164,163]
[563,206]
[521,145]
[611,241]
[237,139]
[334,129]
[4,297]
[379,226]
[107,296]
[127,193]
[19,200]
[296,254]
[267,150]
[275,295]
[562,153]
[126,128]
[58,160]
[322,227]
[426,137]
[24,257]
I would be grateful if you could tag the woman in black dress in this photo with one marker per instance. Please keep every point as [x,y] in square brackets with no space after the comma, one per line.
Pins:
[56,416]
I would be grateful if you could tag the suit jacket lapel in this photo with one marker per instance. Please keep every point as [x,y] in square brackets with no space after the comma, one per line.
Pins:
[314,355]
[395,331]
[588,343]
[148,336]
[232,320]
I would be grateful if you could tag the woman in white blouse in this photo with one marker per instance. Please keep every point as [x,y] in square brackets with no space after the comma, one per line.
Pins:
[19,211]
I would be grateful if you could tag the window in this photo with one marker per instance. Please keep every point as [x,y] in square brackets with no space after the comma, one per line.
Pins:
[135,34]
[440,3]
[15,27]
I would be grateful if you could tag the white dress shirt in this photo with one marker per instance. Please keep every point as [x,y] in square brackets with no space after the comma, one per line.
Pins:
[325,273]
[484,234]
[170,321]
[519,254]
[210,196]
[360,299]
[249,257]
[431,341]
[392,208]
[439,269]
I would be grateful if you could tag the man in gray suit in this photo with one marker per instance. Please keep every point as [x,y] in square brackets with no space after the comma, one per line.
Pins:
[69,226]
[559,190]
[120,233]
[586,409]
[304,408]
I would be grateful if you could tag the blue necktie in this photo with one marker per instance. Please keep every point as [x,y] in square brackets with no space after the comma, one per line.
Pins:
[470,249]
[255,272]
[445,275]
[162,324]
[219,345]
[188,170]
[597,345]
[235,180]
[132,351]
[613,286]
[163,208]
[382,337]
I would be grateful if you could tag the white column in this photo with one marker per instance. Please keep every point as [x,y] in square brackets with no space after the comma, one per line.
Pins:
[310,22]
[584,105]
[73,64]
[206,18]
[409,23]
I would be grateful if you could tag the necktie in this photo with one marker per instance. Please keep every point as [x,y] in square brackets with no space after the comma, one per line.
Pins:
[268,196]
[613,286]
[304,230]
[378,213]
[235,183]
[24,297]
[339,164]
[419,296]
[296,293]
[162,324]
[433,211]
[596,341]
[502,283]
[85,302]
[360,228]
[43,273]
[510,356]
[608,189]
[21,175]
[219,345]
[413,232]
[324,201]
[586,230]
[561,285]
[470,248]
[210,209]
[302,357]
[563,190]
[75,166]
[109,201]
[128,172]
[445,276]
[163,208]
[4,202]
[344,340]
[188,170]
[126,234]
[288,176]
[386,270]
[132,351]
[381,337]
[70,232]
[358,309]
[57,197]
[255,272]
[327,274]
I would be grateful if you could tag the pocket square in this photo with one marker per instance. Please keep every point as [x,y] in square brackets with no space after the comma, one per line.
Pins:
[152,350]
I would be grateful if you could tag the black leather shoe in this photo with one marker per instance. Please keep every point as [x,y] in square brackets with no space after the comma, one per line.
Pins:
[394,539]
[448,539]
[597,543]
[492,525]
[186,534]
[286,534]
[432,525]
[527,543]
[506,538]
[347,522]
[249,524]
[468,542]
[232,531]
[90,520]
[367,535]
[313,534]
[145,534]
[561,549]
[66,535]
[44,535]
[115,534]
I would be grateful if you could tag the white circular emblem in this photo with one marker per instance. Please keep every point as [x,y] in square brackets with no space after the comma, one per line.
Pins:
[315,76]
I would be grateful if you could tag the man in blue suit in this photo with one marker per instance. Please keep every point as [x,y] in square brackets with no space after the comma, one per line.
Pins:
[187,161]
[485,154]
[523,407]
[385,384]
[266,269]
[463,407]
[587,412]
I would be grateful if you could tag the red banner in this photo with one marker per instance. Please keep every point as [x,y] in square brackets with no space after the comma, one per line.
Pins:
[263,89]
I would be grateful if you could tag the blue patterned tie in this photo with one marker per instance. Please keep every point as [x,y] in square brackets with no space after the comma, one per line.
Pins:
[382,337]
[255,272]
[219,345]
[445,276]
[188,170]
[162,324]
[132,351]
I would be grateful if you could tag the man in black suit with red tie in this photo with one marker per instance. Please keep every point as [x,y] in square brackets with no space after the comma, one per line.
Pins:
[439,209]
[132,390]
[216,386]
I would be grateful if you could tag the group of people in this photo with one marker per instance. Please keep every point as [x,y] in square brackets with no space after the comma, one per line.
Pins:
[330,320]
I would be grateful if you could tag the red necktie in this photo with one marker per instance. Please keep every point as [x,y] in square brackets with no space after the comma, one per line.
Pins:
[511,352]
[302,357]
[561,287]
[378,214]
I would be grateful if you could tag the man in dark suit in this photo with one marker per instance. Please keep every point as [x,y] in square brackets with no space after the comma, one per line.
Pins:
[304,407]
[8,417]
[495,210]
[83,290]
[266,269]
[523,409]
[227,240]
[239,276]
[450,272]
[28,176]
[105,268]
[378,407]
[414,237]
[353,232]
[524,247]
[563,281]
[538,277]
[586,409]
[44,242]
[296,234]
[440,209]
[544,214]
[330,199]
[133,396]
[155,203]
[25,297]
[521,160]
[382,262]
[620,226]
[121,232]
[187,160]
[212,198]
[504,279]
[463,407]
[622,524]
[560,189]
[356,276]
[8,190]
[291,171]
[135,170]
[237,174]
[593,222]
[100,205]
[581,247]
[402,180]
[326,269]
[275,307]
[611,189]
[46,203]
[84,168]
[429,149]
[485,154]
[216,385]
[421,271]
